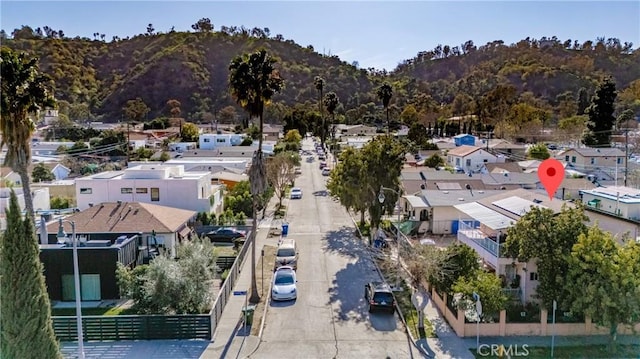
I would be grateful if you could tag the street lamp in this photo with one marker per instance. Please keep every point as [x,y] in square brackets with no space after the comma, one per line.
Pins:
[381,199]
[76,278]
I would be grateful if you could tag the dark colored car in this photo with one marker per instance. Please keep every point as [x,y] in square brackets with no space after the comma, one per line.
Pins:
[228,235]
[379,297]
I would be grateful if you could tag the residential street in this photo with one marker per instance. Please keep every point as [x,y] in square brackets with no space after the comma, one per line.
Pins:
[330,317]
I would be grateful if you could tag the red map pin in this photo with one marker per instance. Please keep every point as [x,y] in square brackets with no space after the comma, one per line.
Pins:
[551,174]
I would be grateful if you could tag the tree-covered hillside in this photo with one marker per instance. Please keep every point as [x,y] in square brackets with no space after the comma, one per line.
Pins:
[536,82]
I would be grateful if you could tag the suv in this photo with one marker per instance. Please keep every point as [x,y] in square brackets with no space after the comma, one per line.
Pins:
[379,297]
[287,254]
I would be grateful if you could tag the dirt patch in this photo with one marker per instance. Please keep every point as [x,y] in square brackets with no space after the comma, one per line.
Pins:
[263,286]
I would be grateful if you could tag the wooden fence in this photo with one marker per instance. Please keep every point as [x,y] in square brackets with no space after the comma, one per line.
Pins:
[135,327]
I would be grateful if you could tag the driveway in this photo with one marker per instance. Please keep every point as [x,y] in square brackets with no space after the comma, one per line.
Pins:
[330,318]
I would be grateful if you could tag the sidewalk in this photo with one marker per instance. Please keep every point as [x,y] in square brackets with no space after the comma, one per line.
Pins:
[447,344]
[230,339]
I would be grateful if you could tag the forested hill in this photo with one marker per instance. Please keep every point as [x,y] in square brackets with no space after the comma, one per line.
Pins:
[192,67]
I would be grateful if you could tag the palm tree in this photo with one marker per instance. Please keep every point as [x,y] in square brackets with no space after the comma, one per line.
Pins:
[331,102]
[318,82]
[253,81]
[24,92]
[385,92]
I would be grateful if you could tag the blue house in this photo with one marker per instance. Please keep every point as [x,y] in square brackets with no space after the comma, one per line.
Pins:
[464,139]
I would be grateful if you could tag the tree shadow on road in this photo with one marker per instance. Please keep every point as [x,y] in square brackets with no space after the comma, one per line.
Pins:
[345,243]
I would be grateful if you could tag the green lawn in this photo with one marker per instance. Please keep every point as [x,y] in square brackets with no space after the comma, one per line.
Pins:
[573,352]
[62,312]
[411,316]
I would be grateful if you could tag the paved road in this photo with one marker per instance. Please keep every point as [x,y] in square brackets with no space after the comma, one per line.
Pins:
[330,318]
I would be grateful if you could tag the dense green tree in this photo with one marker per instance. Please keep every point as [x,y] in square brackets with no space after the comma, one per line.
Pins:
[409,115]
[458,260]
[169,286]
[384,93]
[135,110]
[60,202]
[548,238]
[27,329]
[603,280]
[331,102]
[600,112]
[434,161]
[203,25]
[280,173]
[583,101]
[253,81]
[573,127]
[345,179]
[539,151]
[41,173]
[418,134]
[487,286]
[239,198]
[293,136]
[189,132]
[24,93]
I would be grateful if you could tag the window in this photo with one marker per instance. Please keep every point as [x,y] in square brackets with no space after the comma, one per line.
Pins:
[221,140]
[206,140]
[573,159]
[126,190]
[155,194]
[468,162]
[619,160]
[566,158]
[533,276]
[457,162]
[86,190]
[485,160]
[593,161]
[142,190]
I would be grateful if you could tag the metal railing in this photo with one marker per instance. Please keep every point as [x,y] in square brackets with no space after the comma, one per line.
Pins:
[227,287]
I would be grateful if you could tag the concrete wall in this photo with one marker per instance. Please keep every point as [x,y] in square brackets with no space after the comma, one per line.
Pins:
[443,216]
[55,190]
[502,328]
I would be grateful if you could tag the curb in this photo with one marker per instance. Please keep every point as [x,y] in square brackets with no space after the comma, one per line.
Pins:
[264,312]
[411,338]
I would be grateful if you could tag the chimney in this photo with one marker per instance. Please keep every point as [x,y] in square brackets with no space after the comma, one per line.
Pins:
[44,235]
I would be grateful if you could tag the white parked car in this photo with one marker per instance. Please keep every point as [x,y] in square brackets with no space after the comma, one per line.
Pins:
[326,171]
[284,284]
[296,193]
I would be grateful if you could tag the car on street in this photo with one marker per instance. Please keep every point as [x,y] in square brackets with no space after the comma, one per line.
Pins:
[321,157]
[283,286]
[287,254]
[323,165]
[379,297]
[326,171]
[228,235]
[296,193]
[297,171]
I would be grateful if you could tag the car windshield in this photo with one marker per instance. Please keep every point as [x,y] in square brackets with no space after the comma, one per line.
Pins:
[296,190]
[284,279]
[286,252]
[383,297]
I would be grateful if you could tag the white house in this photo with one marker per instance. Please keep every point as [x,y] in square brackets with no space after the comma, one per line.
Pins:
[40,201]
[209,141]
[469,158]
[50,116]
[623,202]
[182,146]
[49,148]
[164,185]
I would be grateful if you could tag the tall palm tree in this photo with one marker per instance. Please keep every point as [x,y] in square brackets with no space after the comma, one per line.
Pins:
[26,312]
[385,92]
[331,102]
[24,92]
[253,81]
[318,82]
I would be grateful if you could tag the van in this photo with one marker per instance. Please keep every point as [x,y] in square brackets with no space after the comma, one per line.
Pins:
[287,254]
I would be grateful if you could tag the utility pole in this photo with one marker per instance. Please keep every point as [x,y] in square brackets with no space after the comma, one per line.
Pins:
[128,142]
[626,155]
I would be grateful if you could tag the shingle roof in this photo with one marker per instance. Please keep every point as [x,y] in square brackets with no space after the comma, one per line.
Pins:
[127,217]
[463,150]
[505,166]
[596,152]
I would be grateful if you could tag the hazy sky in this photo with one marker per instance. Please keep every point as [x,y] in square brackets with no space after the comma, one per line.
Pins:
[377,34]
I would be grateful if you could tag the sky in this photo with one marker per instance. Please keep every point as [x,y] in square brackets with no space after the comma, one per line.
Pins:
[377,34]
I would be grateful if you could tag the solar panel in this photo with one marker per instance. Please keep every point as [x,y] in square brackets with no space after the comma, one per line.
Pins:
[516,205]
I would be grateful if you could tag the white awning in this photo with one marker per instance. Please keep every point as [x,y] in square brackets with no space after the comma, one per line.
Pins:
[415,201]
[484,215]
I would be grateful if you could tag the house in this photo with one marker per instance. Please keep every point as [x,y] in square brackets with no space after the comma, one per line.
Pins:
[355,130]
[511,180]
[59,171]
[355,142]
[165,185]
[590,159]
[510,150]
[50,117]
[209,141]
[61,189]
[210,163]
[225,152]
[464,140]
[8,176]
[469,158]
[182,146]
[40,197]
[272,132]
[508,167]
[623,202]
[158,226]
[440,216]
[483,226]
[97,263]
[49,148]
[529,166]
